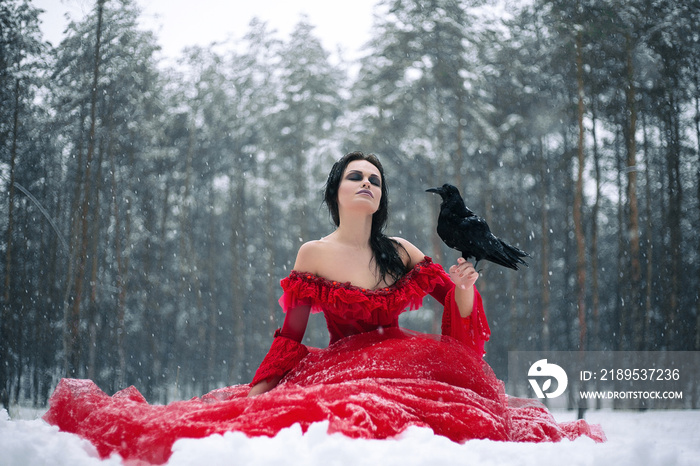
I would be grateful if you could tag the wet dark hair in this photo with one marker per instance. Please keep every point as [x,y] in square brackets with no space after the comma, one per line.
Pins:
[384,249]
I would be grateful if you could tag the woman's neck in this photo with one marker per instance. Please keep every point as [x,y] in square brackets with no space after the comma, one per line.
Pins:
[354,231]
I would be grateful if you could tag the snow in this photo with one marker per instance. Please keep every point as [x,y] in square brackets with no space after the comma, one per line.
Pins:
[634,438]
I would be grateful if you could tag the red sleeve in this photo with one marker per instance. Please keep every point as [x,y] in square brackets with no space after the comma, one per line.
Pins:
[286,350]
[472,330]
[283,356]
[295,321]
[442,286]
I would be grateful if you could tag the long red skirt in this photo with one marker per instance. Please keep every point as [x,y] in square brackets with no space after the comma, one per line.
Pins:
[373,385]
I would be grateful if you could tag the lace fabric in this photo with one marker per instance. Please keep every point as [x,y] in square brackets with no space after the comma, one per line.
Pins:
[472,331]
[284,354]
[350,309]
[377,306]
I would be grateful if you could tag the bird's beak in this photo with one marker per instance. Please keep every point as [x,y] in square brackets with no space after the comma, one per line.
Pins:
[433,190]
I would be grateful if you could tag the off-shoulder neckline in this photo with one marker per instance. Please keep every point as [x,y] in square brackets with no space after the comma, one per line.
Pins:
[349,286]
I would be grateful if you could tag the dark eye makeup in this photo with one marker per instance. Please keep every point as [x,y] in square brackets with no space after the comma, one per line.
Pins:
[357,176]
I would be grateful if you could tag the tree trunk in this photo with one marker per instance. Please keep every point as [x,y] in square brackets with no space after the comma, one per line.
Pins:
[633,209]
[675,199]
[159,345]
[595,283]
[239,269]
[213,309]
[5,338]
[697,184]
[73,227]
[49,281]
[546,281]
[121,288]
[649,251]
[458,157]
[187,263]
[621,318]
[19,319]
[11,197]
[696,82]
[269,242]
[438,173]
[300,189]
[578,204]
[92,305]
[72,361]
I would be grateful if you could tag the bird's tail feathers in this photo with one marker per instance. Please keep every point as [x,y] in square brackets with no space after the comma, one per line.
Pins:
[510,257]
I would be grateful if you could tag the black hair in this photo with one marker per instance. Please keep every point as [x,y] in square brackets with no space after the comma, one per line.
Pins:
[384,249]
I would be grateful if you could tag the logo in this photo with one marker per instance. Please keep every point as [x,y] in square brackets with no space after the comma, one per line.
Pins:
[544,370]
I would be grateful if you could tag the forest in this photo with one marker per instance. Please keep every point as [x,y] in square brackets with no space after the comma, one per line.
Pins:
[149,209]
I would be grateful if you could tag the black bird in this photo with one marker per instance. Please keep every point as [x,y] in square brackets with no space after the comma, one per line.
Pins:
[468,233]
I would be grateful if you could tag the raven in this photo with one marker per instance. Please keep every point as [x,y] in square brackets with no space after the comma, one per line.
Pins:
[468,233]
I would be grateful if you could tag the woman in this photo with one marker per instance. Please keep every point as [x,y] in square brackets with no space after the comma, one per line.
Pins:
[356,253]
[374,379]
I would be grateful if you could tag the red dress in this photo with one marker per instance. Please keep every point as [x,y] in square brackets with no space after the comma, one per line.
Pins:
[373,381]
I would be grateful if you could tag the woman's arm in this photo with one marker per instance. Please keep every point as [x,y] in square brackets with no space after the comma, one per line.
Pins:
[285,352]
[286,349]
[463,317]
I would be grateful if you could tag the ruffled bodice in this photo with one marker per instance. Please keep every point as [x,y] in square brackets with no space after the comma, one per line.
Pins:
[350,309]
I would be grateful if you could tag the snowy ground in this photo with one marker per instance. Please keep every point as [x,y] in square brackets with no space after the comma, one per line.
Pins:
[649,438]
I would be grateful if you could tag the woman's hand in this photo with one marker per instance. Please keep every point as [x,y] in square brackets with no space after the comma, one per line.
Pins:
[463,274]
[264,386]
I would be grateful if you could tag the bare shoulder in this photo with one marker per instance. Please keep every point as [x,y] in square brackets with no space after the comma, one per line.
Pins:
[409,253]
[309,257]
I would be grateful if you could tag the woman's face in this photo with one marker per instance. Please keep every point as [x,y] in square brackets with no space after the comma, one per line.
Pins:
[360,187]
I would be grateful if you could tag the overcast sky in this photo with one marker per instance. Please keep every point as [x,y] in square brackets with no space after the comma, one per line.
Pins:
[179,23]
